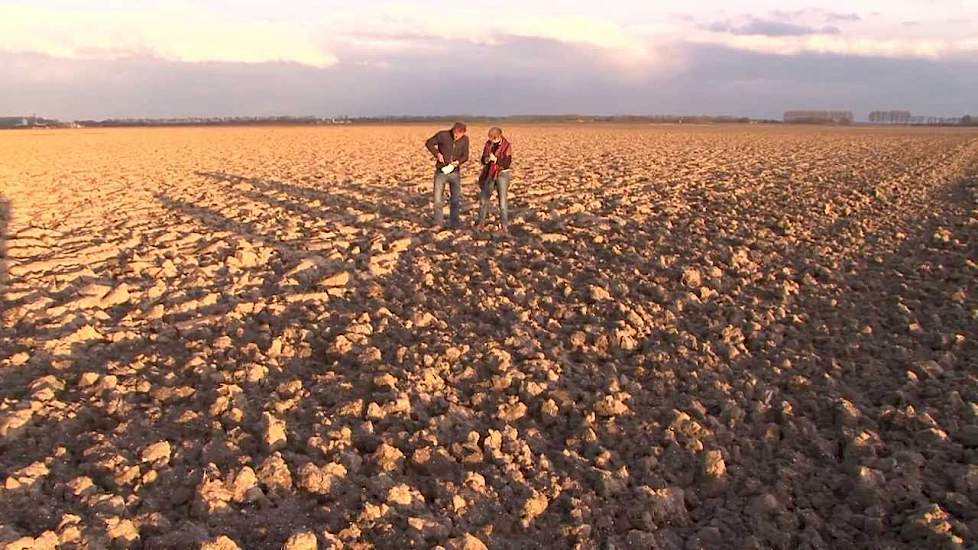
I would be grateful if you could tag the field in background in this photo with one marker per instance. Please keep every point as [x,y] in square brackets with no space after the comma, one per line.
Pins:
[694,337]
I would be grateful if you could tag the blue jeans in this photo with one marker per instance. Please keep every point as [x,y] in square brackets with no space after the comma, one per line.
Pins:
[501,184]
[456,202]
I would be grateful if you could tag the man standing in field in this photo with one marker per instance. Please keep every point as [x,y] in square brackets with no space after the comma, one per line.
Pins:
[451,150]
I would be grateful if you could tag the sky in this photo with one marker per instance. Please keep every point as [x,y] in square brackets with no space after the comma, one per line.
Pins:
[76,59]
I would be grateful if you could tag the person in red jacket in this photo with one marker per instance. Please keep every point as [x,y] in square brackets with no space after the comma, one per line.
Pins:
[497,159]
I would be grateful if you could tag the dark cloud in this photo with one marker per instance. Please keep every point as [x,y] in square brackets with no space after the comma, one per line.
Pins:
[518,76]
[770,27]
[765,85]
[445,78]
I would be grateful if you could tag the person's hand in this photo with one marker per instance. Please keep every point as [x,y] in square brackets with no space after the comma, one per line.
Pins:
[456,163]
[492,157]
[441,158]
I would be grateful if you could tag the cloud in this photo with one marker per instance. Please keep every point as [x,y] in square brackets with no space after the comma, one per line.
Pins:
[519,76]
[198,32]
[370,46]
[828,81]
[837,45]
[406,26]
[794,33]
[835,17]
[817,13]
[637,37]
[172,34]
[770,27]
[380,41]
[516,77]
[579,30]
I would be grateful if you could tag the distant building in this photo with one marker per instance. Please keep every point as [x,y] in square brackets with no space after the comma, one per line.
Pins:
[890,117]
[818,117]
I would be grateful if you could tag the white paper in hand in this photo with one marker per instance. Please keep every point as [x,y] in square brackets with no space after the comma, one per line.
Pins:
[448,169]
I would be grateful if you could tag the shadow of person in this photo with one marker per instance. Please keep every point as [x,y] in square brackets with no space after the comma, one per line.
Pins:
[5,213]
[350,202]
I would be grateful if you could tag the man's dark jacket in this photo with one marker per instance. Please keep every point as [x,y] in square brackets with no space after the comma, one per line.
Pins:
[451,149]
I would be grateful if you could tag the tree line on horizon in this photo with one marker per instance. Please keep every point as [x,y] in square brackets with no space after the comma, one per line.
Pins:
[797,117]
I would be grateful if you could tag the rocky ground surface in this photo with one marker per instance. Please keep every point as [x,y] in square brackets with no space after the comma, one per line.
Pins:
[692,338]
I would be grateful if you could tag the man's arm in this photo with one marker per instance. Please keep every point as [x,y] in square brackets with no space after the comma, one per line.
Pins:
[465,152]
[432,146]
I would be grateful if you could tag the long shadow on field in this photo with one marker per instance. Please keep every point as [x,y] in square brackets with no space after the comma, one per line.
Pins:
[399,204]
[5,213]
[801,377]
[885,370]
[4,222]
[201,376]
[835,386]
[756,371]
[193,359]
[350,201]
[791,365]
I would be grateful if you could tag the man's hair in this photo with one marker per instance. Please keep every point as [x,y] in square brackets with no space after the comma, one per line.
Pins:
[459,127]
[495,132]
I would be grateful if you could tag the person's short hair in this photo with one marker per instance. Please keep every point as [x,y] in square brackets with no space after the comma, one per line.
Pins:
[495,132]
[459,127]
